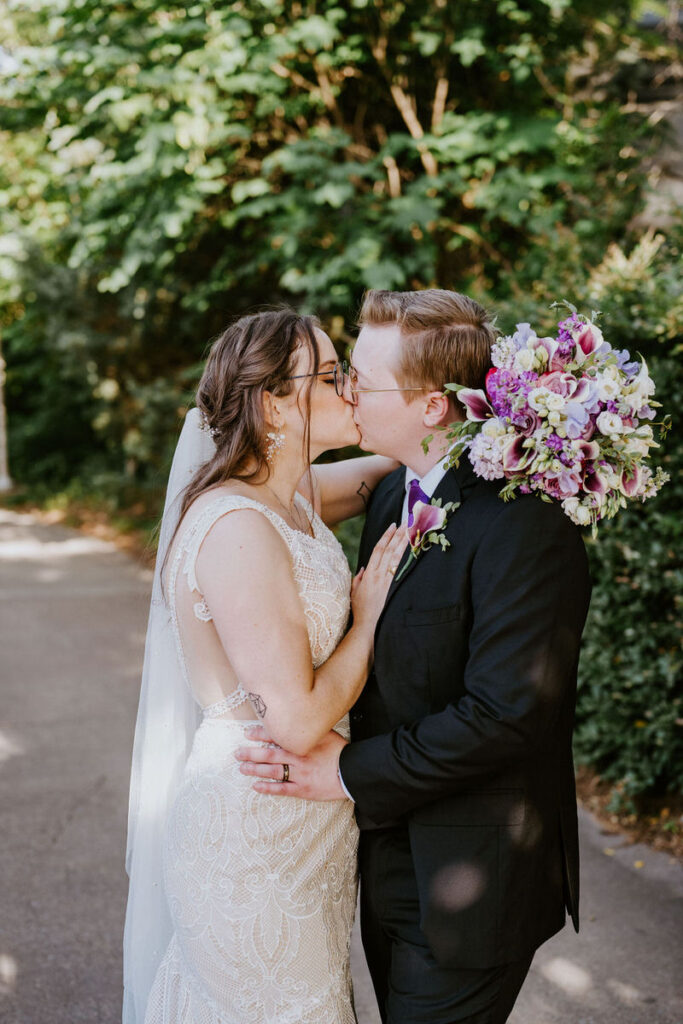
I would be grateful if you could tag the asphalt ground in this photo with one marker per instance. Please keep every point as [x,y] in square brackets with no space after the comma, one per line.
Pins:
[73,614]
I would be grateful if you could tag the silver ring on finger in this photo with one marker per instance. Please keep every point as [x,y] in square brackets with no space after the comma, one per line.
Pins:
[285,773]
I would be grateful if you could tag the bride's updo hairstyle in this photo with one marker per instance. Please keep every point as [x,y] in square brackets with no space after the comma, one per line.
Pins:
[254,354]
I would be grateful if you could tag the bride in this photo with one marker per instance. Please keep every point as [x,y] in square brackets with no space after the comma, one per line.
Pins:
[241,904]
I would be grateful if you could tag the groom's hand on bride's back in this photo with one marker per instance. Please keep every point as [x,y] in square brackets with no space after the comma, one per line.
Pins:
[315,776]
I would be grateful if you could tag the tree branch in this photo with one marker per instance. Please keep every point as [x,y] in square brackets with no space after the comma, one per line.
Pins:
[439,105]
[328,96]
[393,176]
[473,236]
[405,107]
[283,72]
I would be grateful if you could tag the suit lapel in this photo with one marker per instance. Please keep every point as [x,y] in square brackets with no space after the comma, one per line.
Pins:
[386,509]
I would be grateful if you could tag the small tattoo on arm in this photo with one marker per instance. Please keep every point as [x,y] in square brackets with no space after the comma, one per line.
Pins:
[258,704]
[361,493]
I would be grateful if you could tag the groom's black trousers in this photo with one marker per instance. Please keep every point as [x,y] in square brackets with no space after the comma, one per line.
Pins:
[410,986]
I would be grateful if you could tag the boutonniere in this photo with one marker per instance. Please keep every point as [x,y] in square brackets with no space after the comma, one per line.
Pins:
[425,527]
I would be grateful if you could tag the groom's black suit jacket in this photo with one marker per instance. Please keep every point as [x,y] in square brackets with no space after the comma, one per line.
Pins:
[463,732]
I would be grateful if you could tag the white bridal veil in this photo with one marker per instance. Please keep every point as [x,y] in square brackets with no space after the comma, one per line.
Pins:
[167,720]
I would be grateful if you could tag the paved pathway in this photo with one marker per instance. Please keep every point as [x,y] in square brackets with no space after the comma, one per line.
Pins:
[73,615]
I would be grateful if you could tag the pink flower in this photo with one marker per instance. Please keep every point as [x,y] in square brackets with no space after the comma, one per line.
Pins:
[563,484]
[527,421]
[587,341]
[560,383]
[476,403]
[426,519]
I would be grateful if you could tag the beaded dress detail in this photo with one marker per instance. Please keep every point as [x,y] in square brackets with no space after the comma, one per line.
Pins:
[261,889]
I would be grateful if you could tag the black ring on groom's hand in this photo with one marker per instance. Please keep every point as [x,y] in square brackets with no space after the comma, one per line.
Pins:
[285,773]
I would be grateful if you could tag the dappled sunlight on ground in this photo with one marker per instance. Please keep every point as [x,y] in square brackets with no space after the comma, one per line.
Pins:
[29,549]
[571,978]
[8,974]
[10,746]
[584,991]
[627,994]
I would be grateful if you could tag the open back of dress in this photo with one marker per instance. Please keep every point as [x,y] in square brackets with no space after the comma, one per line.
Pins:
[261,889]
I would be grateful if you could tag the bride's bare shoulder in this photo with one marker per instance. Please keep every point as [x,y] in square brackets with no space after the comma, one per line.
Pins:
[242,522]
[230,489]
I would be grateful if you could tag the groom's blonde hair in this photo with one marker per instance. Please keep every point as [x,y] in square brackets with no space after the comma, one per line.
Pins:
[446,336]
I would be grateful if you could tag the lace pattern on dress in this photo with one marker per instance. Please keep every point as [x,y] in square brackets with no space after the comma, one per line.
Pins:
[261,890]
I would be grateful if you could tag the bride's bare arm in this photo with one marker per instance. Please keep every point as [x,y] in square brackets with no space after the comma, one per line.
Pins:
[244,571]
[341,489]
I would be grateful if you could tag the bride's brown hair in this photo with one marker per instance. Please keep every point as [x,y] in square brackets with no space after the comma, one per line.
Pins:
[254,354]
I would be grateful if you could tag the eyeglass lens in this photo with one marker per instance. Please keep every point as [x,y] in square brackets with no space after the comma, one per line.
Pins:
[342,371]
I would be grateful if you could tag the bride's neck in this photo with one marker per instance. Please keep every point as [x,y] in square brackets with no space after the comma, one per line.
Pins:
[286,471]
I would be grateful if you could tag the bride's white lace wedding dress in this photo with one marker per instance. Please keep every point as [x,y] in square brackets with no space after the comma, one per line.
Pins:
[261,889]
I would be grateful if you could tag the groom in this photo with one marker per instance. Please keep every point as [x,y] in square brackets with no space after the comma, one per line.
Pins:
[460,762]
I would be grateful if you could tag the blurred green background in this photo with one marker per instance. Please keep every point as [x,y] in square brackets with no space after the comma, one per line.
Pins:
[166,166]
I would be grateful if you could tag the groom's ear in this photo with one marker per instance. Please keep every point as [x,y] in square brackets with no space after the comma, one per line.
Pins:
[439,410]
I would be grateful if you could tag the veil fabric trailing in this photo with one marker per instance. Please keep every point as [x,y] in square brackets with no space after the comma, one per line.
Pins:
[168,717]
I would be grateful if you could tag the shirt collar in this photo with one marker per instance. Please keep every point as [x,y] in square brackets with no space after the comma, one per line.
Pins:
[432,478]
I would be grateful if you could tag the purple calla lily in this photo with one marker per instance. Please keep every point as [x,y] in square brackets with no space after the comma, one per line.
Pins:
[426,518]
[588,450]
[515,455]
[594,482]
[629,484]
[476,404]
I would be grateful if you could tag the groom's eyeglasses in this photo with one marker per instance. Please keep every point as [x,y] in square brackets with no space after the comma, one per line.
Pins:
[354,390]
[339,373]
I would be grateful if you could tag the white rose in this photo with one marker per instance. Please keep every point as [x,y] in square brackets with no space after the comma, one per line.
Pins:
[554,401]
[583,516]
[636,447]
[524,359]
[537,399]
[609,423]
[607,388]
[493,428]
[577,512]
[645,433]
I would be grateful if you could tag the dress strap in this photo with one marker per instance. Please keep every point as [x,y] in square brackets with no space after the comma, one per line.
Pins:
[210,515]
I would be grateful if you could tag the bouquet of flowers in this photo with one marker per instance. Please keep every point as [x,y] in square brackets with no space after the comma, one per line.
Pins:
[565,417]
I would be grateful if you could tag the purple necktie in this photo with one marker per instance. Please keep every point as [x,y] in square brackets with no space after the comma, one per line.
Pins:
[415,493]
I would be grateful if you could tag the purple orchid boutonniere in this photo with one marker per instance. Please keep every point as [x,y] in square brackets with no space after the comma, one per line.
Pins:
[425,528]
